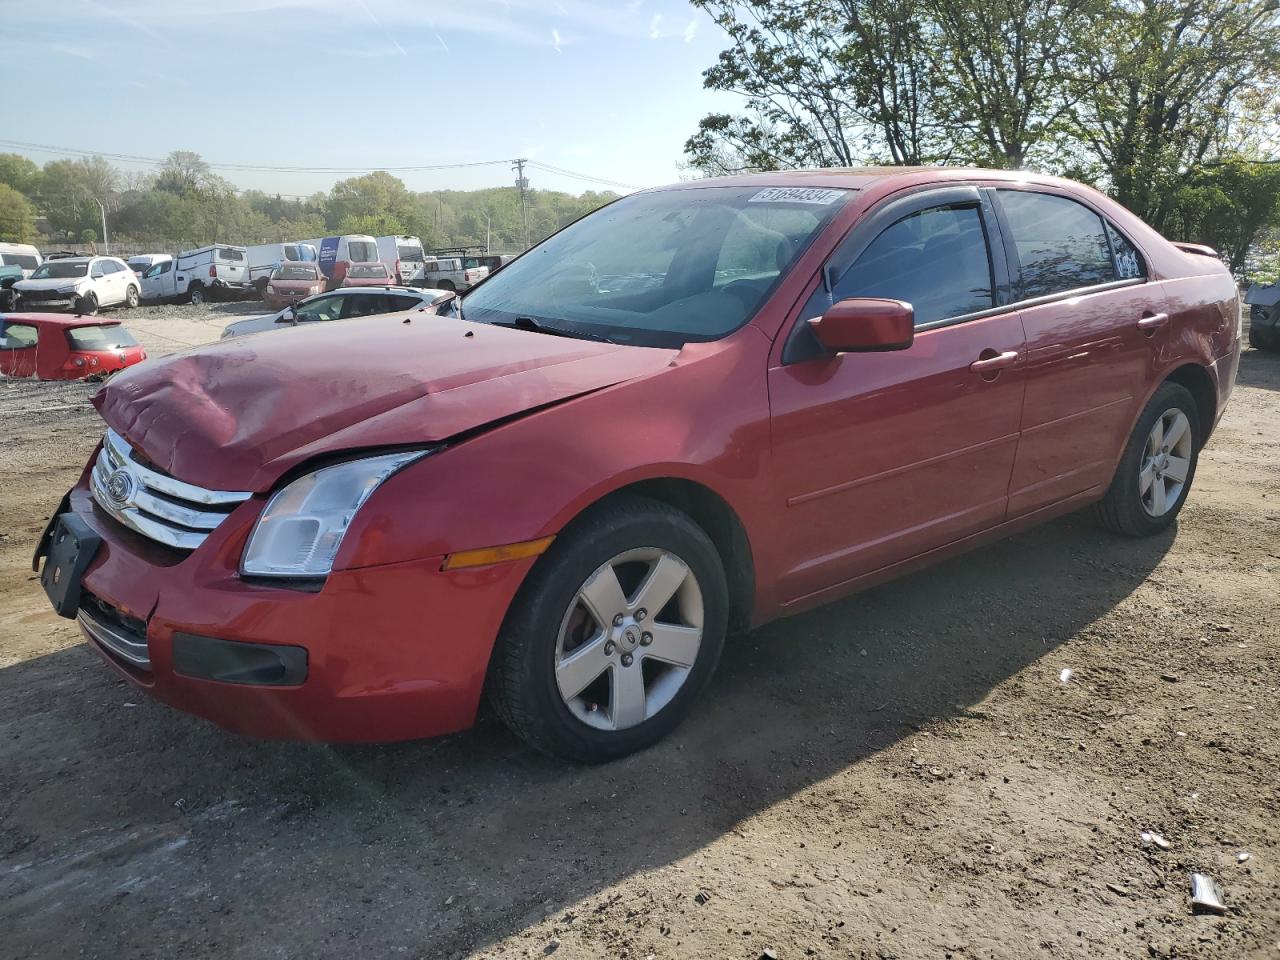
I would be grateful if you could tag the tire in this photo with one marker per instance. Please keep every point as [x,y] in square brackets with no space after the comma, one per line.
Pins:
[1260,340]
[131,297]
[87,305]
[529,659]
[1127,508]
[447,285]
[196,294]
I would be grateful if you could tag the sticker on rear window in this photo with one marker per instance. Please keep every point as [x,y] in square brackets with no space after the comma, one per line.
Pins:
[797,195]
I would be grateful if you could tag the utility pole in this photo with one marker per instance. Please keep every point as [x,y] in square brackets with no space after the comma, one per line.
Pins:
[523,186]
[106,247]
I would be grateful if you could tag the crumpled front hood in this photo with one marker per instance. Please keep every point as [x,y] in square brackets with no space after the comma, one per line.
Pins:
[236,414]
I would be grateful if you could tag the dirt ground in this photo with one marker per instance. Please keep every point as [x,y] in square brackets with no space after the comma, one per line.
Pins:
[902,774]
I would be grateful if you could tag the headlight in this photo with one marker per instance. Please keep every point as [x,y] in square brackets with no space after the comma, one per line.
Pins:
[299,532]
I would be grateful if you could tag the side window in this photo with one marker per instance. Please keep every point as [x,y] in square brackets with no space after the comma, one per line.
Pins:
[1061,245]
[99,269]
[365,305]
[397,302]
[112,267]
[17,336]
[1129,265]
[325,308]
[936,260]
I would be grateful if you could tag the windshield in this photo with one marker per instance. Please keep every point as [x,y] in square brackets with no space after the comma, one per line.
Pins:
[60,270]
[411,254]
[367,270]
[361,251]
[23,260]
[138,263]
[100,338]
[660,269]
[294,272]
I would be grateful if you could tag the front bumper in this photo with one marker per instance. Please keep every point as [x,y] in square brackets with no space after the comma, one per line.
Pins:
[392,652]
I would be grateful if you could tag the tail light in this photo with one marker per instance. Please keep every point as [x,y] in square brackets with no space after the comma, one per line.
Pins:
[213,271]
[466,276]
[397,268]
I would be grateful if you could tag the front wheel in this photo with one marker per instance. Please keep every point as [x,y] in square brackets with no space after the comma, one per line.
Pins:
[1159,462]
[613,636]
[87,305]
[131,297]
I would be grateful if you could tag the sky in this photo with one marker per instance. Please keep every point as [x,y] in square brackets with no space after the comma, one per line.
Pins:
[607,88]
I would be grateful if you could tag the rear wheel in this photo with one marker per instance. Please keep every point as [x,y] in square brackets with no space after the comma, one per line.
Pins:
[196,294]
[613,636]
[1261,339]
[1155,473]
[88,304]
[446,285]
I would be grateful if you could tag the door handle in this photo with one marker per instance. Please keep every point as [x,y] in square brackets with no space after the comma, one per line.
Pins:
[1153,322]
[995,364]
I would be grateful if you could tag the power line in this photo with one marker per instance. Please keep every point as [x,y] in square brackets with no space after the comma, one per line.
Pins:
[271,168]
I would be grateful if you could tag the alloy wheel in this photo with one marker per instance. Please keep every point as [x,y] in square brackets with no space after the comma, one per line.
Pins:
[629,639]
[1166,461]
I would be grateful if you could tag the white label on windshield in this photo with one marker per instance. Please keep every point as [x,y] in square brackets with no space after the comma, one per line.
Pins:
[797,195]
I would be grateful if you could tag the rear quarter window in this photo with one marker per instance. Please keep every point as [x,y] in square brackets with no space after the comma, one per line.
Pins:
[17,336]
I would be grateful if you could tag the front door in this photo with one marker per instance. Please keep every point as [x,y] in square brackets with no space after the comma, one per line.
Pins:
[880,457]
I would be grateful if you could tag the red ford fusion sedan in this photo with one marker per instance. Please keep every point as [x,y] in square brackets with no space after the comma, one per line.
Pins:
[694,410]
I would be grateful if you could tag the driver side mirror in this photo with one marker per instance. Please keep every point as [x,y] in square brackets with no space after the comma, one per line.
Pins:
[865,324]
[289,315]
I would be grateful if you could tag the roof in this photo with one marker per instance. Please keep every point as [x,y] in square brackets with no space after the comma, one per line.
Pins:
[59,320]
[857,178]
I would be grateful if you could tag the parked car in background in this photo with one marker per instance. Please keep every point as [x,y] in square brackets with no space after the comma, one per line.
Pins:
[8,277]
[1264,316]
[291,282]
[343,304]
[215,272]
[21,255]
[59,346]
[263,258]
[336,254]
[141,263]
[404,256]
[452,273]
[368,275]
[82,283]
[566,499]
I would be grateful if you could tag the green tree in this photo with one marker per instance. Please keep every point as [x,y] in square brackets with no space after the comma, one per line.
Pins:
[1228,205]
[183,172]
[17,216]
[20,173]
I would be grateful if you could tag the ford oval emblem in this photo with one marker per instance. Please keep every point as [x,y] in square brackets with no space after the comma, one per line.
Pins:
[120,488]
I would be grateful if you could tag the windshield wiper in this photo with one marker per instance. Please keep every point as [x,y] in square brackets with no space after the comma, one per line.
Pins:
[528,323]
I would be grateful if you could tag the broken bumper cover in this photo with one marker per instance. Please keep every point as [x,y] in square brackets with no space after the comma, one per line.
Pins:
[379,653]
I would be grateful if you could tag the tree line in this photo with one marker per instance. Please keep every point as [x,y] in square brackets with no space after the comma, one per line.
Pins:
[1167,105]
[185,204]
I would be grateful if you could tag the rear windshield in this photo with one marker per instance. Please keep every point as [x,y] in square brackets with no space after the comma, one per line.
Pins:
[362,251]
[60,270]
[413,254]
[229,255]
[100,337]
[23,260]
[139,263]
[367,270]
[17,336]
[294,272]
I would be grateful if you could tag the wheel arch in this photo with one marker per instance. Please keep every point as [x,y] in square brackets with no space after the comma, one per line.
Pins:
[717,518]
[1200,385]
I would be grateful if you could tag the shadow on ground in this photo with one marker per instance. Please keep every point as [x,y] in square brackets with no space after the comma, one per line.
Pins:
[132,830]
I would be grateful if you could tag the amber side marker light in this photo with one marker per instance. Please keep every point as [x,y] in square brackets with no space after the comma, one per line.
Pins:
[488,555]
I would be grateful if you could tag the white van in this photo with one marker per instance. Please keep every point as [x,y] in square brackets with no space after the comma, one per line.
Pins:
[206,273]
[20,255]
[265,257]
[404,256]
[338,253]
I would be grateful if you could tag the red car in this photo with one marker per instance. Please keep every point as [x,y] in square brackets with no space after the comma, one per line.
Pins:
[57,346]
[698,409]
[290,282]
[369,275]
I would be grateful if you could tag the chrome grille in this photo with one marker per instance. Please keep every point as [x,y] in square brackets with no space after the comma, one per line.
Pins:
[166,510]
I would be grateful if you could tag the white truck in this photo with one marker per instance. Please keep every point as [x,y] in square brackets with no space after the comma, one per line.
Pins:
[404,256]
[207,273]
[452,273]
[265,257]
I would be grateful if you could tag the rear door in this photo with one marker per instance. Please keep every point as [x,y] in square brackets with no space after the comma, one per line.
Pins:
[880,457]
[1093,324]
